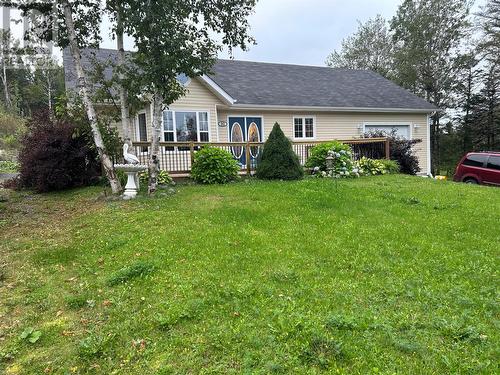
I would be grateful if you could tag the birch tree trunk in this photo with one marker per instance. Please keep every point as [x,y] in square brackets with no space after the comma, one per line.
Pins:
[3,47]
[121,63]
[155,142]
[49,90]
[106,162]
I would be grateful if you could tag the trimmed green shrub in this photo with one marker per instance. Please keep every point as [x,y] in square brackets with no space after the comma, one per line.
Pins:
[317,157]
[213,165]
[278,160]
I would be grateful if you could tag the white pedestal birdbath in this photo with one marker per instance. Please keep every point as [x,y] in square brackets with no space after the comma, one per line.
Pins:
[132,186]
[131,169]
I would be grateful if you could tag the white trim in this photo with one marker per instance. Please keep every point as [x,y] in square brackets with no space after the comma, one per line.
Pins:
[428,144]
[245,117]
[137,131]
[243,140]
[216,123]
[330,109]
[151,114]
[304,138]
[187,82]
[219,91]
[390,123]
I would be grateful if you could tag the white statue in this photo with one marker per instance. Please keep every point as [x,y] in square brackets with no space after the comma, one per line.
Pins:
[132,168]
[129,158]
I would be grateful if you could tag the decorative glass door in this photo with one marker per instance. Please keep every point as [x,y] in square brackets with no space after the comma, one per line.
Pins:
[245,129]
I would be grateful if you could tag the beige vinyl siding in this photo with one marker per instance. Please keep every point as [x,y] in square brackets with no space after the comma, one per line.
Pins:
[338,125]
[198,98]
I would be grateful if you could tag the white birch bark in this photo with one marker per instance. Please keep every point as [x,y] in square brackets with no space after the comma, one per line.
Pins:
[122,91]
[4,52]
[106,162]
[155,142]
[49,90]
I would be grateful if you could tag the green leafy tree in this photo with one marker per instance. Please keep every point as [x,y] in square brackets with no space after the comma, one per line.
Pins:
[178,37]
[427,36]
[278,160]
[370,47]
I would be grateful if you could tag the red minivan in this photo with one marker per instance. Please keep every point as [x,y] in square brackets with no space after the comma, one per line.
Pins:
[479,168]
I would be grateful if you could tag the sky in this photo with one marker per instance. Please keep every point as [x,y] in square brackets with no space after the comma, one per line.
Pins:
[298,31]
[302,31]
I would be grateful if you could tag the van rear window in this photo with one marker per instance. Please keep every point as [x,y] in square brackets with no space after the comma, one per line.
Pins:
[475,160]
[494,162]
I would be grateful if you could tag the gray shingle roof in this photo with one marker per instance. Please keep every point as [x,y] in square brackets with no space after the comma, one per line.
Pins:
[297,85]
[255,83]
[88,56]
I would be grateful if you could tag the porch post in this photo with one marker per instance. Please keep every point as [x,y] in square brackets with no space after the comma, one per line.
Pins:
[191,152]
[387,149]
[248,160]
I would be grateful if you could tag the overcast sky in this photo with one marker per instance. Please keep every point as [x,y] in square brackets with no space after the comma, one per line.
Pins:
[303,31]
[300,31]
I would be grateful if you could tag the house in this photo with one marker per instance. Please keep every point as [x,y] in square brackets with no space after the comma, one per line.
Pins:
[241,100]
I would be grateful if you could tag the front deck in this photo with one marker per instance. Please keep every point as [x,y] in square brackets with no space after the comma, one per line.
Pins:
[177,157]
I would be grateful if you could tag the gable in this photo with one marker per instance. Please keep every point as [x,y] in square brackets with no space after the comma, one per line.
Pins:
[198,96]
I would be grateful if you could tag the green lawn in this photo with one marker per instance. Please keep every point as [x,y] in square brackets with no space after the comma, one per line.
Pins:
[385,275]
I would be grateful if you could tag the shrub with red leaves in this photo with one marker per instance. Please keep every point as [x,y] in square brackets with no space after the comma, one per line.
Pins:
[56,155]
[401,149]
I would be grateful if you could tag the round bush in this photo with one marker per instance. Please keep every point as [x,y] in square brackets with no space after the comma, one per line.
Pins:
[317,157]
[342,166]
[214,166]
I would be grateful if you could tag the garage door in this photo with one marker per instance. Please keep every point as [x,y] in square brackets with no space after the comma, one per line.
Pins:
[401,130]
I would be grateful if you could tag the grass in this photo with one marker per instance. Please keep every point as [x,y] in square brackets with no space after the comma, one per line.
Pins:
[385,275]
[8,166]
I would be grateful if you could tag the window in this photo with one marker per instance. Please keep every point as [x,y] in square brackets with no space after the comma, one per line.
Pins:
[142,133]
[303,127]
[168,126]
[475,160]
[494,163]
[185,126]
[399,130]
[203,121]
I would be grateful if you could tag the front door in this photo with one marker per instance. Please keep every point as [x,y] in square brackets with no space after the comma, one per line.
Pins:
[245,129]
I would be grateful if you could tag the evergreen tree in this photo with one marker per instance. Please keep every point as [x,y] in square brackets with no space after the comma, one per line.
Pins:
[428,35]
[278,160]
